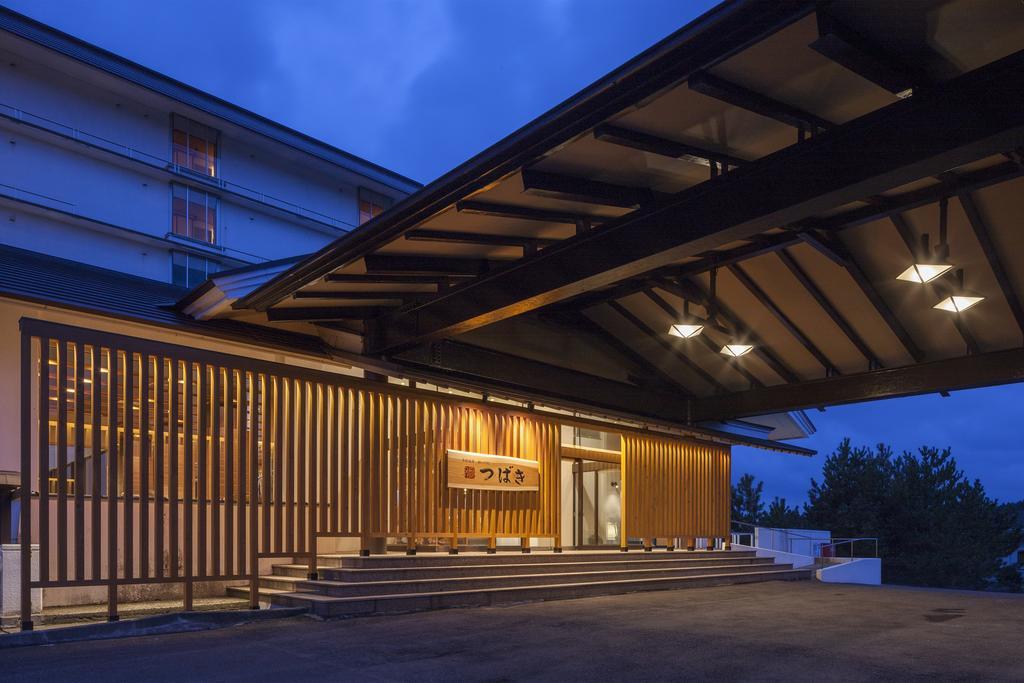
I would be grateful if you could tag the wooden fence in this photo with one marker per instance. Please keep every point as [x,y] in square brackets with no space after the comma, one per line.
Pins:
[675,489]
[158,463]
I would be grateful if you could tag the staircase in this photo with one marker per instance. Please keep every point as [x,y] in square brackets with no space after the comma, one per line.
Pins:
[352,586]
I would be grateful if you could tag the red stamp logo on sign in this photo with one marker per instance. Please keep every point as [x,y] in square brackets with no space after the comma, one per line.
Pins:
[469,472]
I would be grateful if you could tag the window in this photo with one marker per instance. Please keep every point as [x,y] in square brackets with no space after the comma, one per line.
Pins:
[193,214]
[189,270]
[371,204]
[193,146]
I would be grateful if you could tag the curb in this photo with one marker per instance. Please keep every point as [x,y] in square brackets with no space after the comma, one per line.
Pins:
[179,622]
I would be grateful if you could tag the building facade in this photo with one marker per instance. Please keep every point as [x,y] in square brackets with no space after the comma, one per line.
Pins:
[109,163]
[555,344]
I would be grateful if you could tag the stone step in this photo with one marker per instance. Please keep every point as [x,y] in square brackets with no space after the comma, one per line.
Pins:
[435,560]
[539,566]
[297,570]
[554,577]
[326,606]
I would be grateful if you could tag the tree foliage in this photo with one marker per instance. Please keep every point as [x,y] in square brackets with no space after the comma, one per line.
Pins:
[746,500]
[935,528]
[781,516]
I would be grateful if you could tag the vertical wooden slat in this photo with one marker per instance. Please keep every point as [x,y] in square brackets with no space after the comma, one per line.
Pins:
[174,399]
[144,442]
[43,458]
[279,447]
[216,462]
[96,527]
[253,566]
[25,501]
[128,526]
[301,462]
[334,459]
[230,458]
[364,472]
[160,464]
[80,399]
[271,427]
[345,483]
[289,466]
[324,420]
[202,467]
[244,426]
[62,461]
[112,460]
[189,566]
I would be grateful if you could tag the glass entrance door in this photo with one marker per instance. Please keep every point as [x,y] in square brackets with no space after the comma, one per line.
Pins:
[596,504]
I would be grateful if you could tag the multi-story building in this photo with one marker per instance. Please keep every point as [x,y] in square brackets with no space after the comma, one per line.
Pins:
[107,162]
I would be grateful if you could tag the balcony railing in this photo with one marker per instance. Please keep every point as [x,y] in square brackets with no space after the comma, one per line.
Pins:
[128,152]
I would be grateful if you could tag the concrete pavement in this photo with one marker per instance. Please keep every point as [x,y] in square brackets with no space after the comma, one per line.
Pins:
[791,630]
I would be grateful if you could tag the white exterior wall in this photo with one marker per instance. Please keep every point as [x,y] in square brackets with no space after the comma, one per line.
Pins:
[56,93]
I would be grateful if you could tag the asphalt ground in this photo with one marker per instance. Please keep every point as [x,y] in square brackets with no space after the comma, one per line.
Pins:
[770,631]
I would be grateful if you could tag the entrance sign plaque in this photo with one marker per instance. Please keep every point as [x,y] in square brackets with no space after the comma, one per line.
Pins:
[468,470]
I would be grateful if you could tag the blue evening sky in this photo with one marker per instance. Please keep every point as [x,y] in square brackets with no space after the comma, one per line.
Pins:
[421,85]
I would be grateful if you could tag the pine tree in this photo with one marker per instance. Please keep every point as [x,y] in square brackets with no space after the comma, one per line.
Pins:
[746,500]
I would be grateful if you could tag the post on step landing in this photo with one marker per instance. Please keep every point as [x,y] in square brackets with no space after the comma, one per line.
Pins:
[410,545]
[691,543]
[727,543]
[710,544]
[648,545]
[524,543]
[492,545]
[453,549]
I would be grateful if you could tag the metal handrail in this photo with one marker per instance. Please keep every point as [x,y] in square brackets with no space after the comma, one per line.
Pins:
[163,164]
[821,550]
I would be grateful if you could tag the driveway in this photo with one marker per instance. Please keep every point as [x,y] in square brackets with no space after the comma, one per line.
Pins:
[780,630]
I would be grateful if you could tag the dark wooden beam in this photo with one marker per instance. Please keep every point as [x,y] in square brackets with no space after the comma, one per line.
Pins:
[703,337]
[319,313]
[811,238]
[913,246]
[695,292]
[966,372]
[421,235]
[854,52]
[573,189]
[662,340]
[884,207]
[385,279]
[783,319]
[866,287]
[354,296]
[425,265]
[645,142]
[744,98]
[952,124]
[995,263]
[829,308]
[527,213]
[476,364]
[577,320]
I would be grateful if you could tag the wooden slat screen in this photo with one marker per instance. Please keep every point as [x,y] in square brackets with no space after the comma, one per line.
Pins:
[675,489]
[203,462]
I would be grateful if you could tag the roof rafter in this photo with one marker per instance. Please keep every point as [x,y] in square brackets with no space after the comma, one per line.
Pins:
[573,189]
[527,213]
[673,149]
[981,233]
[664,343]
[791,327]
[828,307]
[744,98]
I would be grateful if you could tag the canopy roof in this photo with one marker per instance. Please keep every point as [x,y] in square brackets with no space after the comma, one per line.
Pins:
[769,169]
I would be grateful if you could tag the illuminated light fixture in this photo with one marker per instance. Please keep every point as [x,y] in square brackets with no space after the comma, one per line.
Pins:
[930,264]
[689,327]
[685,330]
[960,299]
[924,272]
[737,350]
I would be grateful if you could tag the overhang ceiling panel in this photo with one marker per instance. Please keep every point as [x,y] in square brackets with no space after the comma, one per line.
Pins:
[784,67]
[799,306]
[853,304]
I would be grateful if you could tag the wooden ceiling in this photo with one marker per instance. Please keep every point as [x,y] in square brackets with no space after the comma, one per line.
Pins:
[792,153]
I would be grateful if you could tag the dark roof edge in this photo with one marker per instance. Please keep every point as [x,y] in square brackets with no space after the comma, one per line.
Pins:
[116,65]
[738,22]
